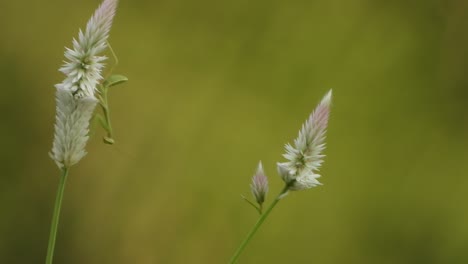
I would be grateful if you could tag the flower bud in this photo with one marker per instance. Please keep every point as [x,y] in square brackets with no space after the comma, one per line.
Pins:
[259,185]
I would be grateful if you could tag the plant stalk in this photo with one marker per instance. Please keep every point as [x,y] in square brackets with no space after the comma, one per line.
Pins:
[105,108]
[56,215]
[257,226]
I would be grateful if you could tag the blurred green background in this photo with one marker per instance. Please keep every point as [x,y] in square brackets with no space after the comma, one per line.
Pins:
[216,86]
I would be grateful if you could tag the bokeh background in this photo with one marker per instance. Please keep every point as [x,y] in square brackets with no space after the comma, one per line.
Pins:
[216,86]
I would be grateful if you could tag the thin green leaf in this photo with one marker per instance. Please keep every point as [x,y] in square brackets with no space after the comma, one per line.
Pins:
[114,80]
[252,204]
[102,121]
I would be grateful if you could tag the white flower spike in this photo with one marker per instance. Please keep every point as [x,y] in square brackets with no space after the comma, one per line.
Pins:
[298,172]
[83,70]
[71,128]
[305,157]
[75,96]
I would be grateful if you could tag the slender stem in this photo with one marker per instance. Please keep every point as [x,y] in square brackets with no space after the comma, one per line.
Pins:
[107,114]
[56,215]
[257,225]
[116,60]
[105,108]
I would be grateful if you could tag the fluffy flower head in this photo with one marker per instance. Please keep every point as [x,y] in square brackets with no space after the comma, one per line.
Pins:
[305,156]
[71,128]
[84,65]
[75,95]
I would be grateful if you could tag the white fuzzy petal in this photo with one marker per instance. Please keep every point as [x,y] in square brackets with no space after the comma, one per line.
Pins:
[305,181]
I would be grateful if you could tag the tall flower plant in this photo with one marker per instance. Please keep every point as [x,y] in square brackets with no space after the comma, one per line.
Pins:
[77,97]
[299,171]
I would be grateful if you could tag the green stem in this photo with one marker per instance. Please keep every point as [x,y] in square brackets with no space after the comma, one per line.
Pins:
[109,125]
[257,226]
[56,215]
[105,108]
[116,60]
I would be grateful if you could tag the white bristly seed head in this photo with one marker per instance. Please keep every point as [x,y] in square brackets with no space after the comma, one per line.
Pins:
[84,65]
[259,185]
[305,157]
[71,127]
[75,96]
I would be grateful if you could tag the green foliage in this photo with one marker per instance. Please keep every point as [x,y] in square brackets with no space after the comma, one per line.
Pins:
[112,80]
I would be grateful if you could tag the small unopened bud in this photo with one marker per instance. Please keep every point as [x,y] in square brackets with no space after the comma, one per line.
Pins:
[259,185]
